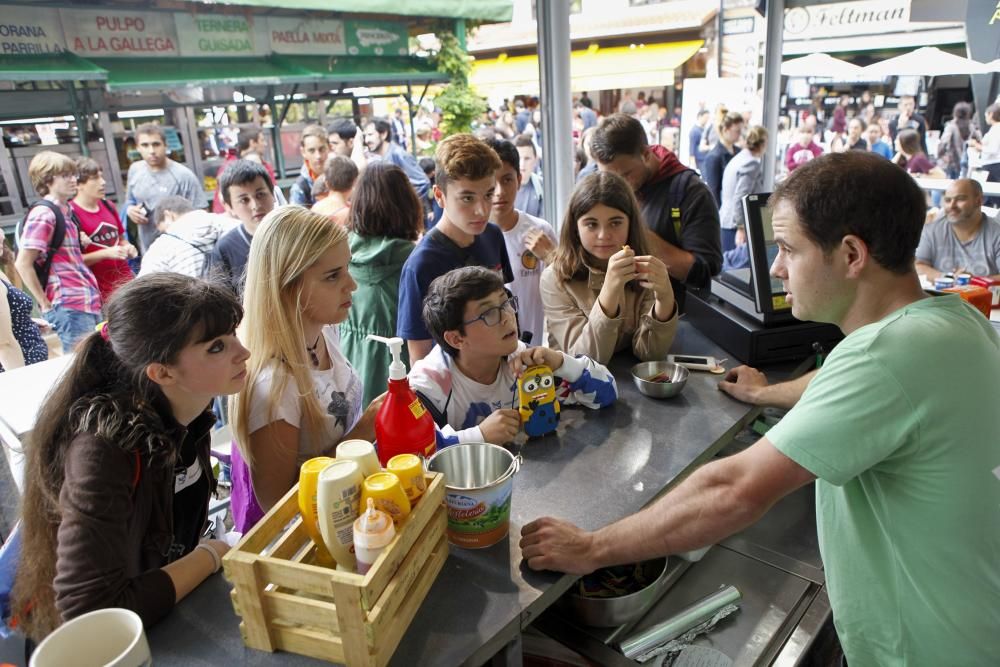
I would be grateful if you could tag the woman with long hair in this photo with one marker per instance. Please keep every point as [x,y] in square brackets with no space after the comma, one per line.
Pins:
[386,220]
[117,480]
[604,292]
[954,141]
[302,396]
[911,157]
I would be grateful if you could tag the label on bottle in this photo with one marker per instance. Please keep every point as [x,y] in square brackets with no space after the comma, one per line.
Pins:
[417,408]
[430,448]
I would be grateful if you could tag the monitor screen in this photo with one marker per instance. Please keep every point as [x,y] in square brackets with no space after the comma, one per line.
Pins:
[768,292]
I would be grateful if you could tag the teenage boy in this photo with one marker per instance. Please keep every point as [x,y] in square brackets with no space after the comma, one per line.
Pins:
[469,381]
[156,176]
[346,139]
[108,253]
[341,174]
[529,241]
[463,187]
[186,241]
[70,299]
[529,193]
[314,148]
[248,194]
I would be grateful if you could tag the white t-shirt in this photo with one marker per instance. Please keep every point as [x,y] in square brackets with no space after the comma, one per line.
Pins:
[527,270]
[338,389]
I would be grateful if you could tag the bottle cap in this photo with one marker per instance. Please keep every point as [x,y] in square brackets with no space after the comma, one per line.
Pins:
[373,529]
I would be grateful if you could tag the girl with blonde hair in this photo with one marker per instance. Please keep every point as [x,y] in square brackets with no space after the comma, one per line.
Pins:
[302,396]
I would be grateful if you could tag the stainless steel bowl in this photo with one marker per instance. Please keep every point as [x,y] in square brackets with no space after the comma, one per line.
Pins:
[678,378]
[612,612]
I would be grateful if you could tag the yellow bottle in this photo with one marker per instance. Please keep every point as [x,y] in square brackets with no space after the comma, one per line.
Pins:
[308,475]
[387,492]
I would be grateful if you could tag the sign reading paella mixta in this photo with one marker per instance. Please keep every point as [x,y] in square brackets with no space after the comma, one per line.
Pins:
[306,36]
[371,38]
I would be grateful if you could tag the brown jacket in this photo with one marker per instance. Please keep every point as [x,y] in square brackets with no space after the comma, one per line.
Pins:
[577,324]
[116,534]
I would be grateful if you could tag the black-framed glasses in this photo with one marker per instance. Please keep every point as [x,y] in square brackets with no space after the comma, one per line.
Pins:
[492,316]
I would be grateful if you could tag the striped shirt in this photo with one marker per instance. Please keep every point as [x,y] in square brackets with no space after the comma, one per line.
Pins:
[186,247]
[71,283]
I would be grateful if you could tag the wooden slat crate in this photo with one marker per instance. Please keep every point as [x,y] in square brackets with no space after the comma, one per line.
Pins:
[287,603]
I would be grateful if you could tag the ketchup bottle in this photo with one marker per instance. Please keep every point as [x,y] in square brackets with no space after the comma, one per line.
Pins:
[402,425]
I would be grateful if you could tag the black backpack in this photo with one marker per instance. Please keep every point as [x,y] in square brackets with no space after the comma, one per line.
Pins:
[58,236]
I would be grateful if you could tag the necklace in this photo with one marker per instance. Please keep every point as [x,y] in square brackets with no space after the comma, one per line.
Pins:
[313,357]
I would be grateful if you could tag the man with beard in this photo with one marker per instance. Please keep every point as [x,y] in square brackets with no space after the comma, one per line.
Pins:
[378,140]
[964,239]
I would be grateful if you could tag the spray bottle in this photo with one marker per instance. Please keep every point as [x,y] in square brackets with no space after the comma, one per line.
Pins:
[402,425]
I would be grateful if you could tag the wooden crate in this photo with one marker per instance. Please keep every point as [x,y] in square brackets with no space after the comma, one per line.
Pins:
[287,603]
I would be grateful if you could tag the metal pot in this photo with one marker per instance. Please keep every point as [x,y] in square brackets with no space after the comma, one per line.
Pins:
[612,612]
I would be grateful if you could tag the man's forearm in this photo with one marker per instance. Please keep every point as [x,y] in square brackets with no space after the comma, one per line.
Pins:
[784,394]
[26,270]
[678,260]
[931,272]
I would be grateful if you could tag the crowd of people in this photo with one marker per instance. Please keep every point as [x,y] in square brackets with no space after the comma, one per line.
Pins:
[270,305]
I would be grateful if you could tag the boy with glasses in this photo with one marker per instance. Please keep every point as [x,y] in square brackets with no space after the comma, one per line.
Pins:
[469,380]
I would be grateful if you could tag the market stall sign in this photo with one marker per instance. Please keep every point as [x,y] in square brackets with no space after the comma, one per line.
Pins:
[847,19]
[220,35]
[119,33]
[26,31]
[306,36]
[372,38]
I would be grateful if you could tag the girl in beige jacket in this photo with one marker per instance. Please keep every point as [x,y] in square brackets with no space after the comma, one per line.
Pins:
[604,292]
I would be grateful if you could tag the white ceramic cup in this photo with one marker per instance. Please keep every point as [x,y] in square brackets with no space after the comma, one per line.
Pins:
[110,637]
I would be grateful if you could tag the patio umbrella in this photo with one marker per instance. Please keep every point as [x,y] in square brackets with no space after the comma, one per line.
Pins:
[820,65]
[925,61]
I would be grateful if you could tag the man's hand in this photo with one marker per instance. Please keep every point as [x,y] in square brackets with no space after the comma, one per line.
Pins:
[554,544]
[535,356]
[137,214]
[744,384]
[501,427]
[741,236]
[539,244]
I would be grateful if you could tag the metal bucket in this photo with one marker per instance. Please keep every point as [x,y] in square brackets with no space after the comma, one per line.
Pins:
[479,482]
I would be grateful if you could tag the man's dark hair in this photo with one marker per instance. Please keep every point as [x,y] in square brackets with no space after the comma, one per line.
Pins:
[444,305]
[383,127]
[507,152]
[174,204]
[247,135]
[618,134]
[344,128]
[701,113]
[151,129]
[524,141]
[241,172]
[858,193]
[341,173]
[428,166]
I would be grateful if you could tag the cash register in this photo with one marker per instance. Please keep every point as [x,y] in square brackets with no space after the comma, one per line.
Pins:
[744,310]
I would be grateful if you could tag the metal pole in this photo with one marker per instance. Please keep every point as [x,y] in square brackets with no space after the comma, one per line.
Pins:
[557,114]
[718,35]
[409,112]
[81,123]
[772,87]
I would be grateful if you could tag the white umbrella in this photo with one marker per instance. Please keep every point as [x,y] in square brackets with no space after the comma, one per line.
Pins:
[925,61]
[820,65]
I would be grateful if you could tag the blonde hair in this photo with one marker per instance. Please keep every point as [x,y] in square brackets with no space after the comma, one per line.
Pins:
[45,166]
[756,137]
[289,241]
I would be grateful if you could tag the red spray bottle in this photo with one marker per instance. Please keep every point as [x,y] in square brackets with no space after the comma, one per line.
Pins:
[402,425]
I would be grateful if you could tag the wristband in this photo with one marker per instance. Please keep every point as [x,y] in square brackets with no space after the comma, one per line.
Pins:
[216,559]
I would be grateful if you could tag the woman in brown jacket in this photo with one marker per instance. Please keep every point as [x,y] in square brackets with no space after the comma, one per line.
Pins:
[604,292]
[118,480]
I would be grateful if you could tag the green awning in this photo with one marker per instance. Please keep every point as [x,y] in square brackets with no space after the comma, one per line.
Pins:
[486,10]
[139,74]
[382,71]
[63,66]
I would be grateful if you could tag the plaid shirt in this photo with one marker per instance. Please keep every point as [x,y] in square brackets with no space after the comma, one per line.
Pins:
[71,284]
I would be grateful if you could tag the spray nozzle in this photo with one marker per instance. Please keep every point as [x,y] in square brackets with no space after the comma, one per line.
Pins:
[397,371]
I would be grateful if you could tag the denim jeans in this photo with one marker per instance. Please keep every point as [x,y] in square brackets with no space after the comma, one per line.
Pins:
[71,325]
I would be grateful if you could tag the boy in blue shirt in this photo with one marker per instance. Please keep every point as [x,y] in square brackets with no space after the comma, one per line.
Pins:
[468,382]
[463,186]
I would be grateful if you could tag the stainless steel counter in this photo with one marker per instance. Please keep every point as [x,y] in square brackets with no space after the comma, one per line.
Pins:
[599,467]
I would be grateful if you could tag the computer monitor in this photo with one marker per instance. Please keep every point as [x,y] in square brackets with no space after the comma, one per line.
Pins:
[769,295]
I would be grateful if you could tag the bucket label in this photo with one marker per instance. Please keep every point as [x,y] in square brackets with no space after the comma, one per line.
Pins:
[481,519]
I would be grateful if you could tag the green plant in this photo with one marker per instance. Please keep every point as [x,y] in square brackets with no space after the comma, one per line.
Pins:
[459,104]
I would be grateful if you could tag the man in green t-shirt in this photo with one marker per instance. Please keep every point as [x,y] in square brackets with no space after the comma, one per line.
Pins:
[899,427]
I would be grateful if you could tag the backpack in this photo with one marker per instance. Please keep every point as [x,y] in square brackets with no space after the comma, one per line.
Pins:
[58,236]
[10,557]
[675,194]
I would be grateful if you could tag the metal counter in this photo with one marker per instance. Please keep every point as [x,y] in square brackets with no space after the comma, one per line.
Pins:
[600,466]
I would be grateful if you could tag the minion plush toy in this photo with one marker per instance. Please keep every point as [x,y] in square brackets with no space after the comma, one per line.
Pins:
[536,393]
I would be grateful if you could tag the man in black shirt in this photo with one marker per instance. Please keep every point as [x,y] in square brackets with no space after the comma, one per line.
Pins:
[248,193]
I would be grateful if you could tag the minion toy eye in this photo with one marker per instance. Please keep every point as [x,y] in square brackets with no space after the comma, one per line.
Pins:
[547,382]
[531,385]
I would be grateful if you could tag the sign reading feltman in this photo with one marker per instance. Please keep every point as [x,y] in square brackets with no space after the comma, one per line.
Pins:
[26,31]
[119,33]
[845,19]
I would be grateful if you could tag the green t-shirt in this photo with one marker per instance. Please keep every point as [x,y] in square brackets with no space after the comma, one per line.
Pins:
[902,428]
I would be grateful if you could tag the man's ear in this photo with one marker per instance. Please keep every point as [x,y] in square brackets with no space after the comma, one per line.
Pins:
[160,374]
[856,254]
[454,338]
[439,195]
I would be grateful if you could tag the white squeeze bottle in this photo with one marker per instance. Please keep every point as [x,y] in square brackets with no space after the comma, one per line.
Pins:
[373,531]
[338,499]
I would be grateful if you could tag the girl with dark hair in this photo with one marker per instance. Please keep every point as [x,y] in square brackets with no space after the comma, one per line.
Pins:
[118,480]
[911,157]
[604,292]
[386,220]
[951,152]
